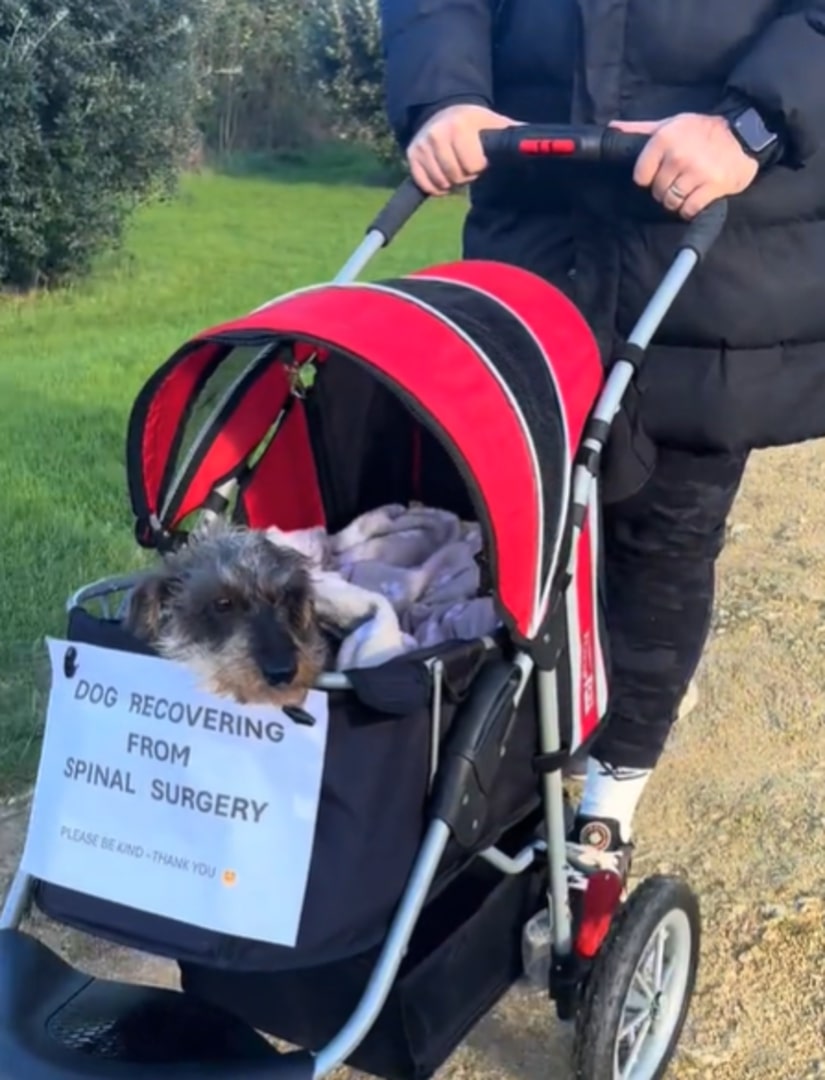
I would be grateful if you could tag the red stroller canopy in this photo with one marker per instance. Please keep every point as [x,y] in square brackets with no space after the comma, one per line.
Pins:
[470,370]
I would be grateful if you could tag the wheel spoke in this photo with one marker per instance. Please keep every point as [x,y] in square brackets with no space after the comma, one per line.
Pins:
[667,981]
[636,1049]
[629,1030]
[659,970]
[641,979]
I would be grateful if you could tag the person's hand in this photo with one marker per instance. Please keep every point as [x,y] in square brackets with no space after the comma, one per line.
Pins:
[690,161]
[447,150]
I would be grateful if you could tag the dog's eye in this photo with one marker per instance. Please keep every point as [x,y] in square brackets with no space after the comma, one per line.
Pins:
[222,605]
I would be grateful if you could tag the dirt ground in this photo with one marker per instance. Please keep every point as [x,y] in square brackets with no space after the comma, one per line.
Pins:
[738,804]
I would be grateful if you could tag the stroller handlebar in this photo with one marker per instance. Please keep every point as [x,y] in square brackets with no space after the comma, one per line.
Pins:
[604,145]
[394,215]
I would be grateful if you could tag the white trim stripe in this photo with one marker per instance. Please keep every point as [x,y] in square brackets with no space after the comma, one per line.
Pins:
[594,515]
[571,601]
[198,442]
[446,321]
[544,596]
[286,296]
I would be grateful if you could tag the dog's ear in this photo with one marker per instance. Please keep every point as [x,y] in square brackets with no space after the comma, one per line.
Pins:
[147,605]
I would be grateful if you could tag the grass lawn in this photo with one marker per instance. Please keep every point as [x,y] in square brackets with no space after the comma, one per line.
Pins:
[72,362]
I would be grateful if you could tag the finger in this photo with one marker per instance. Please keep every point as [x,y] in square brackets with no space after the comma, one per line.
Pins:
[637,127]
[699,199]
[469,155]
[443,151]
[677,194]
[672,188]
[668,174]
[427,175]
[649,162]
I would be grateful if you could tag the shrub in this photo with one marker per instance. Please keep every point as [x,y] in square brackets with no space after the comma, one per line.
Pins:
[275,76]
[255,89]
[344,39]
[95,99]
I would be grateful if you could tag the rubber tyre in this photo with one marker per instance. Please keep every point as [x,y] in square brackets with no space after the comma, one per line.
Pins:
[599,1016]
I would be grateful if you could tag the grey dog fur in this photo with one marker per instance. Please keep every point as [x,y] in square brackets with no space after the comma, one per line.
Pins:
[224,605]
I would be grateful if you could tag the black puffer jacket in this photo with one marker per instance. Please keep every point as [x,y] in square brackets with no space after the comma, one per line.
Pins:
[740,362]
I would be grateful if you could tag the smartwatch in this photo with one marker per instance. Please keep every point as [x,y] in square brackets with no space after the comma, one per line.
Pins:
[754,136]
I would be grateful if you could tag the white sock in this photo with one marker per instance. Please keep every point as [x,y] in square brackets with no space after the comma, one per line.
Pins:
[611,792]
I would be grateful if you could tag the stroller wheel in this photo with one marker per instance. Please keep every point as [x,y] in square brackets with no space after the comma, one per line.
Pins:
[639,989]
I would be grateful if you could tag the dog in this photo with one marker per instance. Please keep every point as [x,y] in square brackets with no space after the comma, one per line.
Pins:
[239,611]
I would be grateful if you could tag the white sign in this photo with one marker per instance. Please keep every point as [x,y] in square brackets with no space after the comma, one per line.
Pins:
[154,794]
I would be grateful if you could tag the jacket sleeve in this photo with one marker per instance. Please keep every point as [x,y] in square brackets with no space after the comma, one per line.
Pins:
[783,75]
[436,53]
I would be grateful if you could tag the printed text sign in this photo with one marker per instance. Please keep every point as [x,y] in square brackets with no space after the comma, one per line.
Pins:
[154,794]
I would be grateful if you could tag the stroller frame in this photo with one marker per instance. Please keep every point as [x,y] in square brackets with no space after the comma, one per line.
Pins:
[452,798]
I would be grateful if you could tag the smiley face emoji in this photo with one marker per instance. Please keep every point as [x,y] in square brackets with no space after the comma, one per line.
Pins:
[229,878]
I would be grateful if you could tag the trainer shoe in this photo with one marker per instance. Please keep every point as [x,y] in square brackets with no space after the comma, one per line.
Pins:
[595,844]
[598,868]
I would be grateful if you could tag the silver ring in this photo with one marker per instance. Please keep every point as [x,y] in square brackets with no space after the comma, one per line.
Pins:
[677,192]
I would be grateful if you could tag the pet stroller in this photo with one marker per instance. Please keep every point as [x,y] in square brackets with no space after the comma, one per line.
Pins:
[440,828]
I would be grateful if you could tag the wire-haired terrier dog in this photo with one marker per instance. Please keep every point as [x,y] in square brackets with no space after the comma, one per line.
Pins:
[237,610]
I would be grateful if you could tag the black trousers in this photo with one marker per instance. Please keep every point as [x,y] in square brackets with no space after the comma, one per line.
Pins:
[661,548]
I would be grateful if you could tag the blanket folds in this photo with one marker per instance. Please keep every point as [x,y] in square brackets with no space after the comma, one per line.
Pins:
[396,578]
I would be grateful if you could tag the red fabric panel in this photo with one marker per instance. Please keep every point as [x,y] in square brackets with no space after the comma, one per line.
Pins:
[556,322]
[163,417]
[588,630]
[284,488]
[239,435]
[436,368]
[601,902]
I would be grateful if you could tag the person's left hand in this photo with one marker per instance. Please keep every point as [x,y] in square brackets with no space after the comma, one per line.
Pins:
[690,161]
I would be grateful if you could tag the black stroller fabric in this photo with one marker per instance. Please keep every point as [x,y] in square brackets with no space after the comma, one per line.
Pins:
[465,953]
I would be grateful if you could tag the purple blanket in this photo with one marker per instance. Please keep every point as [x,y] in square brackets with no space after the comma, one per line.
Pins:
[395,579]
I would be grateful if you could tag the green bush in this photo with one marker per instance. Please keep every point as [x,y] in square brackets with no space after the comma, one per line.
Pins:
[255,90]
[344,40]
[275,76]
[95,98]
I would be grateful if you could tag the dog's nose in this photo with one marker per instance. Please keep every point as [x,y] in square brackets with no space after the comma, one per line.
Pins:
[279,672]
[274,650]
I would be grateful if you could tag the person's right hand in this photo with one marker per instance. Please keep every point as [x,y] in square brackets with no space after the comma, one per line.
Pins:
[447,150]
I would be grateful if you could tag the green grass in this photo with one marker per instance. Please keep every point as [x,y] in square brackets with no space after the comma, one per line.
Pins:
[71,363]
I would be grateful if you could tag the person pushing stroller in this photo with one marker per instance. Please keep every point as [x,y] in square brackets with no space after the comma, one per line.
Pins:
[733,99]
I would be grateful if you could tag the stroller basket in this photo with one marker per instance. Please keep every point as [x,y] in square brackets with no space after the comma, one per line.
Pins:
[368,831]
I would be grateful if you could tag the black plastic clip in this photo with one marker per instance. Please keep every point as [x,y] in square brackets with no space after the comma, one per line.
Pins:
[544,764]
[150,534]
[299,716]
[70,662]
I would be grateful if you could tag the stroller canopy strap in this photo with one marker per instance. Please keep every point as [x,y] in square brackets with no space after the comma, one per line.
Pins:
[492,362]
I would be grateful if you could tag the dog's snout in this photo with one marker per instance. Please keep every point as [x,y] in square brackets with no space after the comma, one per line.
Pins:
[275,652]
[279,673]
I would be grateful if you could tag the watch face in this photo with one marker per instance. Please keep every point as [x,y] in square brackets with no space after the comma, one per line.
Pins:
[752,131]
